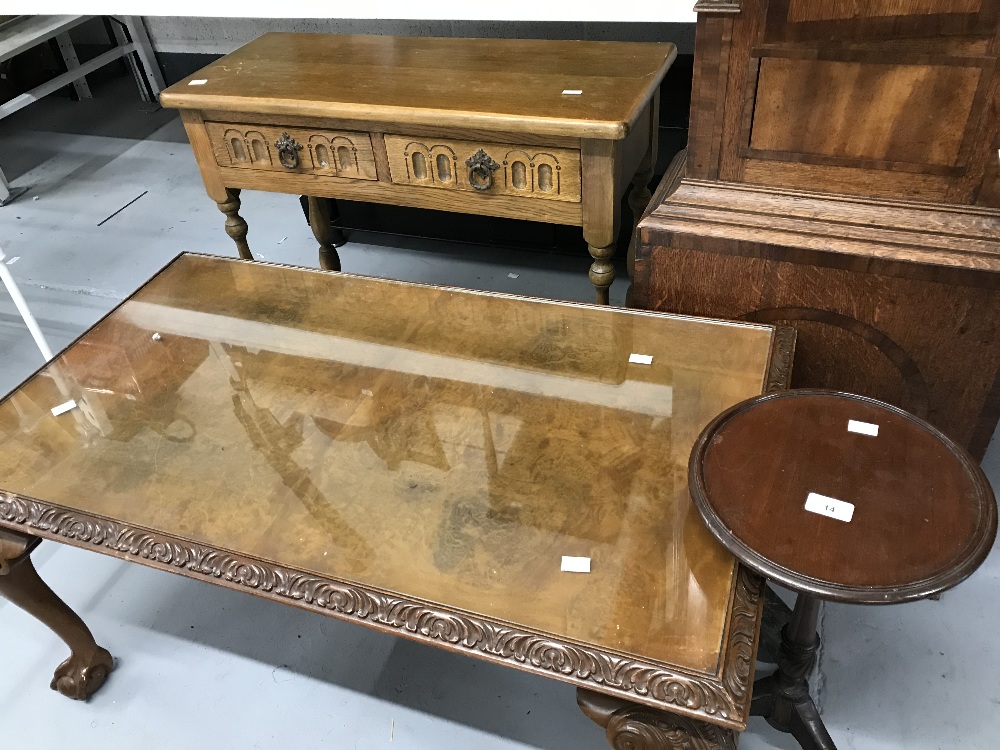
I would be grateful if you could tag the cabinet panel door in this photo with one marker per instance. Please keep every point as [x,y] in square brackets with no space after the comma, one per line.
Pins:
[855,113]
[885,98]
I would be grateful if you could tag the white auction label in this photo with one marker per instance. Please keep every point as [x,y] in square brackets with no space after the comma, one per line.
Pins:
[862,428]
[198,82]
[641,359]
[572,92]
[63,408]
[575,564]
[829,507]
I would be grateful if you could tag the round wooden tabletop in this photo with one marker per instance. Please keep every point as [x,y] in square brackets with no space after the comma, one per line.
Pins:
[842,496]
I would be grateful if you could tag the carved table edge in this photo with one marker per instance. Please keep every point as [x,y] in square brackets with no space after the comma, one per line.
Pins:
[721,699]
[779,369]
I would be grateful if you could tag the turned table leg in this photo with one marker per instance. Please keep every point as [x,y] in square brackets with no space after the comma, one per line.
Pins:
[783,697]
[88,665]
[630,726]
[236,227]
[602,272]
[601,213]
[320,221]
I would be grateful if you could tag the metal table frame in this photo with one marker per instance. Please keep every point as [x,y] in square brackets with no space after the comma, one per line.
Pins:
[25,32]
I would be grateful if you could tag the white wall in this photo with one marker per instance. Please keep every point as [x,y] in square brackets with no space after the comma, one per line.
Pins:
[218,35]
[642,11]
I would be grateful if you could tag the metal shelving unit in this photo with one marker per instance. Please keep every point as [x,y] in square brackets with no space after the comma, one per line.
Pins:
[22,33]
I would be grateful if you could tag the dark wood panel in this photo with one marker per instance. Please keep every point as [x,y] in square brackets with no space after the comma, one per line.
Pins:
[711,69]
[825,20]
[831,10]
[930,348]
[741,79]
[901,238]
[864,111]
[849,180]
[852,162]
[981,140]
[853,192]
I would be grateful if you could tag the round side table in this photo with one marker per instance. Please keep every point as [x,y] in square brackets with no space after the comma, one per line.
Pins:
[837,497]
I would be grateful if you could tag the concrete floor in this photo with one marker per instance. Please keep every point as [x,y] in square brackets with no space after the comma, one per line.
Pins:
[201,666]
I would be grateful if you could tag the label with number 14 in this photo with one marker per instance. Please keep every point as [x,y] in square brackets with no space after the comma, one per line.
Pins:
[830,507]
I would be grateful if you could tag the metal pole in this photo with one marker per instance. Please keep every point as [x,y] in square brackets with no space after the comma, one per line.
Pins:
[22,307]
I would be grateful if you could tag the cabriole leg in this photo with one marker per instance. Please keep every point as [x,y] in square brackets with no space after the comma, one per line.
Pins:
[88,665]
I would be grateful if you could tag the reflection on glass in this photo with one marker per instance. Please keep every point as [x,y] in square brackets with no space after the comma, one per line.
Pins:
[444,445]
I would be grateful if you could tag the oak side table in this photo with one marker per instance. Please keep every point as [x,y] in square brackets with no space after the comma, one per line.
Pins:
[548,131]
[853,500]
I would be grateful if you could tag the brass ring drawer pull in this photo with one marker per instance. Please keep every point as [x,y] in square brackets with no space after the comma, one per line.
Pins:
[481,169]
[288,151]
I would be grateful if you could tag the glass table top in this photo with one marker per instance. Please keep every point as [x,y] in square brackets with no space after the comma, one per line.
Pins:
[443,445]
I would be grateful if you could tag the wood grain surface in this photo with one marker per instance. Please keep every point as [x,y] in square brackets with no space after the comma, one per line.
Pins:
[862,111]
[900,302]
[842,178]
[922,514]
[445,445]
[335,153]
[418,196]
[893,99]
[510,84]
[829,10]
[523,170]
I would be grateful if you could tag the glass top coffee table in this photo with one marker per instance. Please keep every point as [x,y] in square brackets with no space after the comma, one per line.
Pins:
[431,462]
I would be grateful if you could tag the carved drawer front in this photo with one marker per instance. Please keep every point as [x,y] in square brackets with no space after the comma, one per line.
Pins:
[491,168]
[337,153]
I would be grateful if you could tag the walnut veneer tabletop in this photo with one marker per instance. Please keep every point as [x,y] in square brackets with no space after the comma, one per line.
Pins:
[340,441]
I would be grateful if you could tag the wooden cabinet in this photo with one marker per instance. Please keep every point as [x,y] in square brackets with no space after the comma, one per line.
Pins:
[891,98]
[841,177]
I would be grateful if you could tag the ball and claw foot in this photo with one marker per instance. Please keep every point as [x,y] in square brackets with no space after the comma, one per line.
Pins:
[79,678]
[88,665]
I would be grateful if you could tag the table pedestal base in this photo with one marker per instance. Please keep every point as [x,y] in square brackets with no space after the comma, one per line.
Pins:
[783,697]
[633,727]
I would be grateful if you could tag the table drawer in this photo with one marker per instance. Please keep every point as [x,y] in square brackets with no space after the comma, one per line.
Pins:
[337,153]
[491,168]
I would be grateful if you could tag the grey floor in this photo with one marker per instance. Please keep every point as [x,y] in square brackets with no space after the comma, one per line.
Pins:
[200,666]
